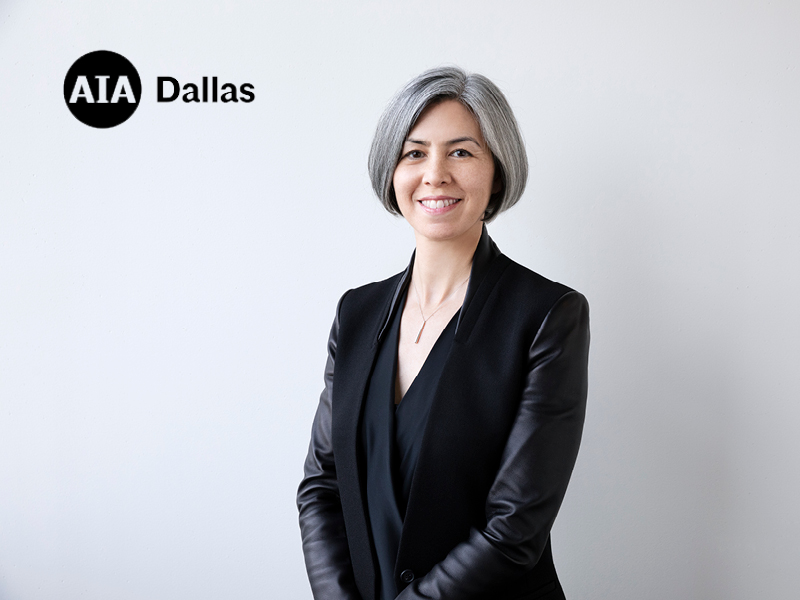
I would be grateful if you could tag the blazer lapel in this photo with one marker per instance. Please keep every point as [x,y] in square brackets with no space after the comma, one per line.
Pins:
[487,266]
[357,349]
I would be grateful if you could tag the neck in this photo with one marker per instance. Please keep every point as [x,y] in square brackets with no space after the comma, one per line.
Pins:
[440,266]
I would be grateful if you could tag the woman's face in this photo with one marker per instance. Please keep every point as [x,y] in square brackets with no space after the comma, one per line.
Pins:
[446,173]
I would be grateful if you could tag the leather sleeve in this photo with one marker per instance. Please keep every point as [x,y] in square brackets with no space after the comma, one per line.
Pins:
[321,521]
[535,466]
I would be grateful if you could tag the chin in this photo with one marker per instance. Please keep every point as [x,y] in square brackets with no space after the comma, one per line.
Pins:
[444,232]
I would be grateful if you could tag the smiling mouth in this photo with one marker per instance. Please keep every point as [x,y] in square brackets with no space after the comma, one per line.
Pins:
[439,203]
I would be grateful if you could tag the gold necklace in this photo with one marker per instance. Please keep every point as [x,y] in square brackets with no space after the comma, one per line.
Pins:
[441,304]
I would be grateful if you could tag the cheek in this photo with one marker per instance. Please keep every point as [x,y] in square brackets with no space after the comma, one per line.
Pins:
[481,181]
[403,184]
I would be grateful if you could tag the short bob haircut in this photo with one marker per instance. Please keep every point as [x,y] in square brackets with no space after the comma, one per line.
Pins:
[490,108]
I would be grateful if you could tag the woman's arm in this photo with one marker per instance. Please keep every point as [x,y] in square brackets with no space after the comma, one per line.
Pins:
[321,522]
[534,470]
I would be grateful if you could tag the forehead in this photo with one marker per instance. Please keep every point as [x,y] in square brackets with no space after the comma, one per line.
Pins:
[445,120]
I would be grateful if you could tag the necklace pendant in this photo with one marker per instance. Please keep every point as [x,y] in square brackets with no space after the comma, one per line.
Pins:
[419,335]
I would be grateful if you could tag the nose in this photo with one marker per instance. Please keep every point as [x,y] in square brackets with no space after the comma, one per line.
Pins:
[436,172]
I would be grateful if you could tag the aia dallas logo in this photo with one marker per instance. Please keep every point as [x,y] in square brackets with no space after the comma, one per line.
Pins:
[102,89]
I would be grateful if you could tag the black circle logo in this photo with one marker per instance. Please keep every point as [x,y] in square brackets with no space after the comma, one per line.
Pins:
[102,89]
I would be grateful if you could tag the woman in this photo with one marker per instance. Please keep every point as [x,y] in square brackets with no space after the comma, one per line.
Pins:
[455,391]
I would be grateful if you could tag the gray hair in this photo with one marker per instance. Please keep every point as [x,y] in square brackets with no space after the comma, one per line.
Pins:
[490,108]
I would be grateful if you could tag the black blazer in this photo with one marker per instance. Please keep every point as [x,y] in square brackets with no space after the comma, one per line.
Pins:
[497,453]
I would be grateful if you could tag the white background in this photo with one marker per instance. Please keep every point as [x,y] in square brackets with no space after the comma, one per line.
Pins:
[167,286]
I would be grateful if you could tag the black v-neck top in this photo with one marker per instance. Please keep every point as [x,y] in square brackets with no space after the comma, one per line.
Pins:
[391,437]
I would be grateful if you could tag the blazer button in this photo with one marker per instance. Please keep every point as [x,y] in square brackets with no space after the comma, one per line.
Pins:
[407,576]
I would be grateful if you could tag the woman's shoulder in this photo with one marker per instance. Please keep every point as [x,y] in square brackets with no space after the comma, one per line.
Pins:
[369,295]
[531,297]
[519,279]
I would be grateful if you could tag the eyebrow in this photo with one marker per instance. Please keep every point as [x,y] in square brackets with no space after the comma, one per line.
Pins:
[466,138]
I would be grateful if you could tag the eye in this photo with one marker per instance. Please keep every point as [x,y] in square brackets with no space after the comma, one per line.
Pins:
[461,153]
[413,154]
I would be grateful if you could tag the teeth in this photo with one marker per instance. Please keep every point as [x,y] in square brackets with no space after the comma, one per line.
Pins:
[438,203]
